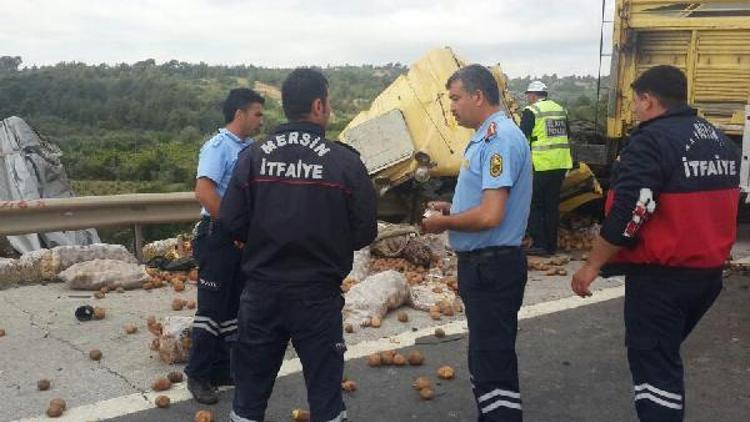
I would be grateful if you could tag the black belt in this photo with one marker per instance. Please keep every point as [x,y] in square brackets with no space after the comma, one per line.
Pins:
[489,252]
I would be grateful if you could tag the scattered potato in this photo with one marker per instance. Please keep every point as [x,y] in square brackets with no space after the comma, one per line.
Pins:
[2,332]
[162,402]
[299,415]
[120,290]
[349,386]
[386,358]
[43,385]
[437,316]
[55,411]
[403,317]
[374,360]
[130,329]
[99,313]
[177,304]
[178,286]
[349,328]
[193,275]
[95,354]
[148,286]
[99,295]
[399,359]
[104,290]
[439,333]
[204,416]
[190,304]
[446,373]
[175,377]
[376,322]
[161,384]
[421,383]
[426,394]
[59,403]
[416,358]
[154,344]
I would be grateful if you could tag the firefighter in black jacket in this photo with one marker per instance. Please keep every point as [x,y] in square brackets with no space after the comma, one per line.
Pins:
[670,225]
[301,204]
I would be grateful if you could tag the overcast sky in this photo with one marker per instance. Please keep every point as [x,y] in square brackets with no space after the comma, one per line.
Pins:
[526,37]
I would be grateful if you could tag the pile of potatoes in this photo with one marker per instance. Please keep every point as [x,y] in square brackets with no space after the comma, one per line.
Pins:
[550,267]
[176,280]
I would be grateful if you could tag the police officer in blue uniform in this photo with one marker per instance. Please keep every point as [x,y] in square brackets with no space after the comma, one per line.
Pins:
[302,204]
[218,257]
[486,224]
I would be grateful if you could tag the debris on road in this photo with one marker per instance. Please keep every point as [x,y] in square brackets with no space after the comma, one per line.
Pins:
[299,415]
[162,402]
[446,373]
[43,385]
[204,416]
[161,384]
[95,354]
[175,377]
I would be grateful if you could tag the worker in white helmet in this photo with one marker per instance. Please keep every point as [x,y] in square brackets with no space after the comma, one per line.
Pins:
[545,124]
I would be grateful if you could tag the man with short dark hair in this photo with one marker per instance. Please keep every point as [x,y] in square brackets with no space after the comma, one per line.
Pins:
[670,224]
[302,205]
[545,124]
[486,224]
[219,281]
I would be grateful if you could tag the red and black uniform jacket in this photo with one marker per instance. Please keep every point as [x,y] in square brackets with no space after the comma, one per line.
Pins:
[674,197]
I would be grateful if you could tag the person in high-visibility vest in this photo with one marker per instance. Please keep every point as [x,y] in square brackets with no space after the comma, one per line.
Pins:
[545,124]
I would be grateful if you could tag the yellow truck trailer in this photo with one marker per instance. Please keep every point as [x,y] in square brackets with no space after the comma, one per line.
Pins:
[709,40]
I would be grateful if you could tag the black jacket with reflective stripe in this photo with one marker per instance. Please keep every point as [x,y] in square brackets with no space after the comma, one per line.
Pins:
[301,204]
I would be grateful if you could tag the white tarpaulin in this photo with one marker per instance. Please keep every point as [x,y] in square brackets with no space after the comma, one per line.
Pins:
[30,169]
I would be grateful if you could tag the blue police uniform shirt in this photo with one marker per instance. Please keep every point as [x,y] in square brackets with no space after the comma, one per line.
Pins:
[217,159]
[497,156]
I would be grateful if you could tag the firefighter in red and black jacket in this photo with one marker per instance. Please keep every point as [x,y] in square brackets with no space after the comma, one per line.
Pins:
[670,225]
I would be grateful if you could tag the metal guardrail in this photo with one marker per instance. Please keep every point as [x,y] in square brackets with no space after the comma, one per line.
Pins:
[47,215]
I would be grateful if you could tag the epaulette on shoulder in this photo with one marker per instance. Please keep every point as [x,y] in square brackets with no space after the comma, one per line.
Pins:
[491,132]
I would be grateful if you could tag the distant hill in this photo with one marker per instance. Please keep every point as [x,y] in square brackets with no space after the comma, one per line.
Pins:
[144,122]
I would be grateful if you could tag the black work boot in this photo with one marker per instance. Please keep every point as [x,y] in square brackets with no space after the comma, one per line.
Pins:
[202,390]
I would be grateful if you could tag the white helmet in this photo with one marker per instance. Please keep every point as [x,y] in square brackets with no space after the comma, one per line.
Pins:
[537,86]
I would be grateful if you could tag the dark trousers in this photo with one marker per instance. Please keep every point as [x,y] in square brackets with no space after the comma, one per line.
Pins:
[491,285]
[660,312]
[270,315]
[544,217]
[219,288]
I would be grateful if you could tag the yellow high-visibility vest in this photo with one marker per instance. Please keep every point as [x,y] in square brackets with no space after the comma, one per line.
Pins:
[550,147]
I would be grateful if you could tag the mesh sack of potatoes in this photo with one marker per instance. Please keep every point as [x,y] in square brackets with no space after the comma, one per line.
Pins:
[171,249]
[9,272]
[174,341]
[392,239]
[64,257]
[425,296]
[418,252]
[360,265]
[375,296]
[33,266]
[93,275]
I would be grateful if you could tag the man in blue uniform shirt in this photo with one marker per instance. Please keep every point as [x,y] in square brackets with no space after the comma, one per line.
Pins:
[218,257]
[486,224]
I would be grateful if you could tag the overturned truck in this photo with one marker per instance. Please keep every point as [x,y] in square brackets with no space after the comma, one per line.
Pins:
[413,147]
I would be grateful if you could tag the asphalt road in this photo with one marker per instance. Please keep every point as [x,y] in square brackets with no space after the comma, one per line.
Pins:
[573,369]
